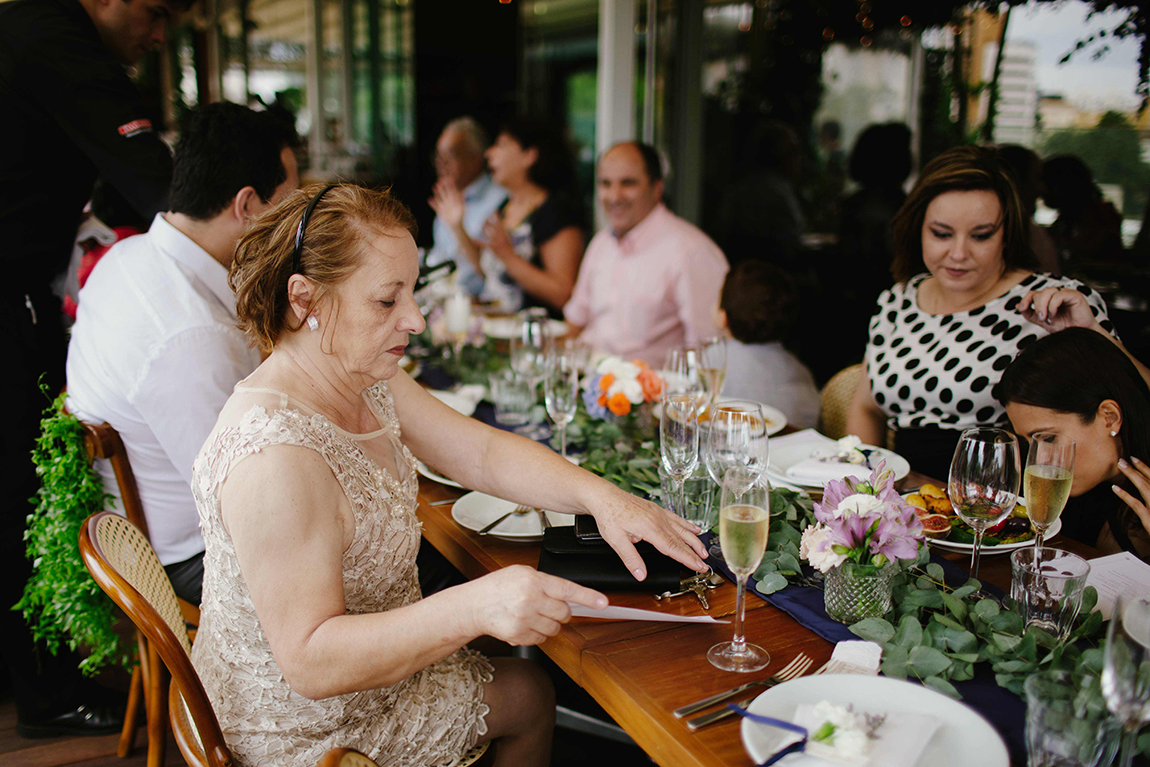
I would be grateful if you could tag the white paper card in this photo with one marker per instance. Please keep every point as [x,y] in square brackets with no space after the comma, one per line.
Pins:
[633,614]
[1117,574]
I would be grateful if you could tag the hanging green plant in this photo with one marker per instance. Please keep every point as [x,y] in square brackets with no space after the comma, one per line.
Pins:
[62,604]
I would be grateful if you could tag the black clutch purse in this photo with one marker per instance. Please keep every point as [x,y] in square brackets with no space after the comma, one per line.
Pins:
[597,566]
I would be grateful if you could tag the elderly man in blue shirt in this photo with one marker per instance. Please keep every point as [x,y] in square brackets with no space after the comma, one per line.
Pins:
[463,199]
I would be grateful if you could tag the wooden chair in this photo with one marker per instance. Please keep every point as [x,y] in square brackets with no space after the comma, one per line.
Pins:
[122,562]
[835,400]
[149,679]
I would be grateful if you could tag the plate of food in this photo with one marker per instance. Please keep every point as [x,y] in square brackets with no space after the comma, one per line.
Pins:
[902,720]
[506,327]
[426,471]
[949,533]
[476,511]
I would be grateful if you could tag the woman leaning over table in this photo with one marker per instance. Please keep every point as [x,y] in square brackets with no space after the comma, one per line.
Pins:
[964,302]
[1080,384]
[313,631]
[534,243]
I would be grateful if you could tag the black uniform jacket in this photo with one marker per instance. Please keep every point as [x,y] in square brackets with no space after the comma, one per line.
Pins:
[68,112]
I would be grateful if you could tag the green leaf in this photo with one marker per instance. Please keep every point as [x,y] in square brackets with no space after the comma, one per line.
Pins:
[771,583]
[962,592]
[873,630]
[986,609]
[956,607]
[942,685]
[935,571]
[1089,600]
[909,633]
[948,622]
[926,662]
[894,661]
[931,598]
[789,564]
[1005,642]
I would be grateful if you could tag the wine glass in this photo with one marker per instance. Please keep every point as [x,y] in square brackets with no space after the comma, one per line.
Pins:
[736,436]
[529,348]
[713,366]
[984,479]
[1046,483]
[1126,670]
[744,522]
[679,441]
[681,375]
[561,392]
[457,318]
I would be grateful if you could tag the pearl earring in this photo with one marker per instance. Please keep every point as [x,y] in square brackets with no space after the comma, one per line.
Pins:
[313,322]
[1113,433]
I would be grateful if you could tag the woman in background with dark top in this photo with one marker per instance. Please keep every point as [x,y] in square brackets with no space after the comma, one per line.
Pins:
[534,243]
[1088,227]
[1080,384]
[964,303]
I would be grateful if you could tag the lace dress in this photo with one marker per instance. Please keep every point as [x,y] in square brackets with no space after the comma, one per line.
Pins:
[430,718]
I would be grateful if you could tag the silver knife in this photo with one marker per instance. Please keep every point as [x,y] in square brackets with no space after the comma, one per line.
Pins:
[493,525]
[718,697]
[702,721]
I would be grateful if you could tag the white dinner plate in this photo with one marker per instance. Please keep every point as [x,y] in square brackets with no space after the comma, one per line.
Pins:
[454,401]
[435,476]
[785,454]
[506,328]
[963,738]
[476,511]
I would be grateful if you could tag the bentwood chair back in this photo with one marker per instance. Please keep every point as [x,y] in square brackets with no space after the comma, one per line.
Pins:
[125,566]
[148,679]
[835,400]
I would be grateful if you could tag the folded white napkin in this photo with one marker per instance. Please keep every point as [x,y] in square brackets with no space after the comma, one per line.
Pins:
[813,471]
[855,656]
[899,742]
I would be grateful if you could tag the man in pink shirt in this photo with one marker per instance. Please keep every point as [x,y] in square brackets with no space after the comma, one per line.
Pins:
[650,282]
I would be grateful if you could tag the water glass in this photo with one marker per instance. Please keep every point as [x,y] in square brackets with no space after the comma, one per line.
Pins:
[529,349]
[984,477]
[736,436]
[1065,724]
[1047,585]
[1126,670]
[561,393]
[679,438]
[681,375]
[513,398]
[697,503]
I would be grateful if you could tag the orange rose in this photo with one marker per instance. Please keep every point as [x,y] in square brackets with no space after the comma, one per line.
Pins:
[602,400]
[606,381]
[619,404]
[640,364]
[652,384]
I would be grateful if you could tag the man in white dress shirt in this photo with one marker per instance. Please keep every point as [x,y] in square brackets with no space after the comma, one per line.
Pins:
[155,351]
[464,198]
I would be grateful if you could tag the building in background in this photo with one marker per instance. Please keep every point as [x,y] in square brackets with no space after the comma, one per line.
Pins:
[1017,112]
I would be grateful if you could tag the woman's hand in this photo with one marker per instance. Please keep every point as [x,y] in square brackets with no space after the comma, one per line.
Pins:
[447,202]
[497,238]
[522,606]
[1139,474]
[624,520]
[1057,309]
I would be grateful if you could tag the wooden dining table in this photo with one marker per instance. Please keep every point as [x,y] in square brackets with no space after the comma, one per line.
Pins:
[639,671]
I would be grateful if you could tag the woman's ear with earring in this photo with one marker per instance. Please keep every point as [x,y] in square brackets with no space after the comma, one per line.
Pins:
[1113,433]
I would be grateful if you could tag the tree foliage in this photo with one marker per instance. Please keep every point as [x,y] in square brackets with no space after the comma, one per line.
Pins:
[1113,152]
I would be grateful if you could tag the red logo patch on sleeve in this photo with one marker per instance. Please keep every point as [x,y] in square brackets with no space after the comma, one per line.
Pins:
[135,128]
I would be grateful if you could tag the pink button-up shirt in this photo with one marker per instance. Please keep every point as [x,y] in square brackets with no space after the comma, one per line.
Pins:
[649,291]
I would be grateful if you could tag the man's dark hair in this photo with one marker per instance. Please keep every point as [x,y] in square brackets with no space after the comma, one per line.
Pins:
[554,169]
[223,148]
[651,161]
[761,302]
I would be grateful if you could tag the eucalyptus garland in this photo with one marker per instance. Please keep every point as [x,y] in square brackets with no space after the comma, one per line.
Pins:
[62,604]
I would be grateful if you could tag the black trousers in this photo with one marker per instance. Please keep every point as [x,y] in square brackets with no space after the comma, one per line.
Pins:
[35,351]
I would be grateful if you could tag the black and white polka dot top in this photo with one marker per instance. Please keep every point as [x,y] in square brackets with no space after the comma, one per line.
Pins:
[930,370]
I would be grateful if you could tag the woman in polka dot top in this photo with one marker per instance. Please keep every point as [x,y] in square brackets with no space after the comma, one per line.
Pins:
[965,301]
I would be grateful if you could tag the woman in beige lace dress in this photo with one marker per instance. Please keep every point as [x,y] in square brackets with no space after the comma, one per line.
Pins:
[314,633]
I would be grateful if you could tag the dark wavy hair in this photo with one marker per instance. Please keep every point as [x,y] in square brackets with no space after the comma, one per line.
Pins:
[1075,371]
[761,302]
[963,168]
[554,168]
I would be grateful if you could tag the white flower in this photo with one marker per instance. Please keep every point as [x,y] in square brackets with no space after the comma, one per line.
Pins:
[815,547]
[632,390]
[849,442]
[851,744]
[859,503]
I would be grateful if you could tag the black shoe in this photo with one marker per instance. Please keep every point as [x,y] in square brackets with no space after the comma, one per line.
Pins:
[82,720]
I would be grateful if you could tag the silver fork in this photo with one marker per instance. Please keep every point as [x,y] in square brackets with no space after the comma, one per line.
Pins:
[518,510]
[795,668]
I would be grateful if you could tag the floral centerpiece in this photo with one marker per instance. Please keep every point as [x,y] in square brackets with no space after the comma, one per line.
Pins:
[863,527]
[617,387]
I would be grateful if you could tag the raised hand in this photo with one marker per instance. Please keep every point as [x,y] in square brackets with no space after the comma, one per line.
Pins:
[1139,474]
[447,202]
[496,238]
[624,520]
[1057,309]
[522,606]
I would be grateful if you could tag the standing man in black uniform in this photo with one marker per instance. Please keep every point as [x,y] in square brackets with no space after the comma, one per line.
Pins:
[69,113]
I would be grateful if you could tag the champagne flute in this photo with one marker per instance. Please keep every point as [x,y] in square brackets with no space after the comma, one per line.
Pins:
[736,436]
[1126,670]
[683,377]
[457,318]
[984,479]
[1046,483]
[529,348]
[744,522]
[679,442]
[713,366]
[561,393]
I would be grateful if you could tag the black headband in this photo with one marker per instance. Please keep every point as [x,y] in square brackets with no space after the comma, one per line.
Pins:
[303,225]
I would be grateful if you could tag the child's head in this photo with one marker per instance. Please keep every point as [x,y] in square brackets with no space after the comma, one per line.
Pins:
[759,302]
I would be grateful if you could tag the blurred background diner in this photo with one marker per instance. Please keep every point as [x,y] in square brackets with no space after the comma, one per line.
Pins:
[893,221]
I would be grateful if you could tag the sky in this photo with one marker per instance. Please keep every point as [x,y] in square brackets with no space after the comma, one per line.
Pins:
[1055,28]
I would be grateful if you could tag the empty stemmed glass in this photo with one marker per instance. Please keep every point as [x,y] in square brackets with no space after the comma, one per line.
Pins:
[713,367]
[1049,475]
[736,437]
[1126,670]
[529,349]
[679,443]
[984,479]
[681,375]
[744,521]
[561,392]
